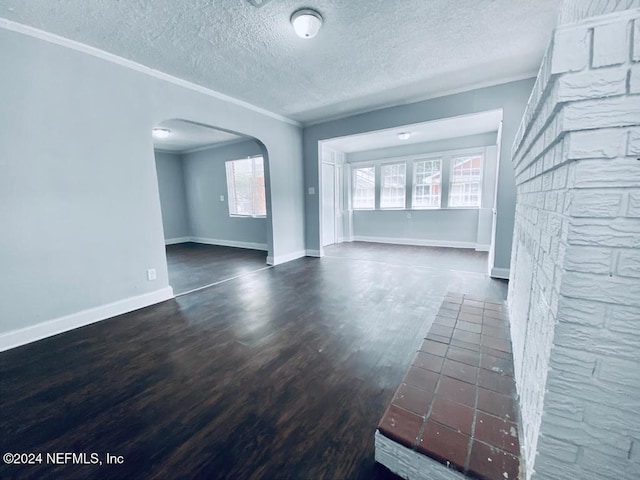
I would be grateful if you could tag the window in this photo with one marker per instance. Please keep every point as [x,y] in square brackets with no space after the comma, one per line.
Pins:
[466,177]
[427,180]
[393,179]
[245,187]
[364,188]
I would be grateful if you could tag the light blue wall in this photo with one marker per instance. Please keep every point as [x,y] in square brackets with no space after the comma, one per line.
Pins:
[79,202]
[205,180]
[433,226]
[175,217]
[446,226]
[511,97]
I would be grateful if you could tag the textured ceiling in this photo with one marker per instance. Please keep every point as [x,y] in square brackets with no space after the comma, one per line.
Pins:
[369,54]
[450,127]
[188,136]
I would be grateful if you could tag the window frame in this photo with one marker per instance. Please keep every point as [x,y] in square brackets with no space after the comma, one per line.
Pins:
[254,186]
[404,187]
[457,155]
[415,161]
[354,176]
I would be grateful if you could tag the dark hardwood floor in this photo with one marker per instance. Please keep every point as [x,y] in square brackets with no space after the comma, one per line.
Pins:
[194,265]
[282,373]
[465,260]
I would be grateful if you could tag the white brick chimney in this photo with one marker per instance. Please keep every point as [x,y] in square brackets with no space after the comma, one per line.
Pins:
[574,294]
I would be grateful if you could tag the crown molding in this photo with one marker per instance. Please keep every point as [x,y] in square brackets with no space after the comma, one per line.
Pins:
[138,67]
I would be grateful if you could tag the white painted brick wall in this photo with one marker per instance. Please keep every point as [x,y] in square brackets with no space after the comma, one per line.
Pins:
[603,143]
[592,84]
[636,41]
[571,50]
[575,10]
[609,44]
[574,295]
[634,79]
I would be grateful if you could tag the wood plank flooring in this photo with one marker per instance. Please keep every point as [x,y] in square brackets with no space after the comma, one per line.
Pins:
[465,260]
[194,265]
[282,373]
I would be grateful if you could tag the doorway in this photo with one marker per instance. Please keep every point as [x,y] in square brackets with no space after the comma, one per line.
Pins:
[213,197]
[429,184]
[328,204]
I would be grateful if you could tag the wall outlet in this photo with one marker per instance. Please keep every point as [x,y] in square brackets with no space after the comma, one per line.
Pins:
[408,214]
[151,274]
[222,198]
[312,191]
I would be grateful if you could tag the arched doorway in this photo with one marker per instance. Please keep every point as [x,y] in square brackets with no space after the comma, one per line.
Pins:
[214,199]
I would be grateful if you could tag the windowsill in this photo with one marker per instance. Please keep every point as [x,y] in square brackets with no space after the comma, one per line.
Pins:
[235,215]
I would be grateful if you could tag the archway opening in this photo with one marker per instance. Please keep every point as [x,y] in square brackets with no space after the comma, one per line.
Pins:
[214,198]
[430,184]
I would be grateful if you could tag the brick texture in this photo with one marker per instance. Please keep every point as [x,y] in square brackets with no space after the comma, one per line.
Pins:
[574,294]
[609,44]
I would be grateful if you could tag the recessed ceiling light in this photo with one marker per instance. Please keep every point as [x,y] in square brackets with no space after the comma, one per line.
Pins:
[161,133]
[306,22]
[404,135]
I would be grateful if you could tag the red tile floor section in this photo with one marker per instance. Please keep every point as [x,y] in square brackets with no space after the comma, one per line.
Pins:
[457,403]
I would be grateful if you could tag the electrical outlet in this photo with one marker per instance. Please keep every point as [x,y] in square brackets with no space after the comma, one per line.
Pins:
[222,198]
[151,274]
[312,191]
[408,214]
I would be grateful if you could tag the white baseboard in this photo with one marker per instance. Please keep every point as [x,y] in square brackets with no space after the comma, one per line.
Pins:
[280,259]
[415,241]
[16,338]
[482,248]
[313,253]
[229,243]
[174,241]
[502,273]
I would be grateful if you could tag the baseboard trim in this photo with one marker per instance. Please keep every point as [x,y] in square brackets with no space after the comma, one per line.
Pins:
[280,259]
[33,333]
[502,273]
[313,253]
[415,241]
[175,241]
[229,243]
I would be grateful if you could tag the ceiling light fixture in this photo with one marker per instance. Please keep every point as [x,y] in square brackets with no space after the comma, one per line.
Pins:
[404,135]
[306,22]
[161,133]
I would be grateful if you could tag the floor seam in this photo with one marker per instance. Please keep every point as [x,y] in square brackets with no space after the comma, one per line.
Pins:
[193,290]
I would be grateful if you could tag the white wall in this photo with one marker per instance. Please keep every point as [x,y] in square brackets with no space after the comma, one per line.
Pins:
[574,297]
[175,215]
[205,178]
[79,201]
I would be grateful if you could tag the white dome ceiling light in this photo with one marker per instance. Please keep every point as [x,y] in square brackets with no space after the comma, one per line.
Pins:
[161,133]
[306,22]
[404,135]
